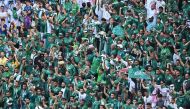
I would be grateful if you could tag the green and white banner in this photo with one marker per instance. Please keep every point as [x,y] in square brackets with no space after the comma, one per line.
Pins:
[136,73]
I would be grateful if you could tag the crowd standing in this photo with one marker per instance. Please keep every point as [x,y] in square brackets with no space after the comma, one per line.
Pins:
[85,54]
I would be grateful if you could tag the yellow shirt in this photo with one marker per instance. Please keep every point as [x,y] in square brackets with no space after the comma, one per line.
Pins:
[15,64]
[3,61]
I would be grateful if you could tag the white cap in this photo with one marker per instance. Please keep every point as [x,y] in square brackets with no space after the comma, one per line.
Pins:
[61,62]
[91,46]
[120,45]
[112,62]
[102,33]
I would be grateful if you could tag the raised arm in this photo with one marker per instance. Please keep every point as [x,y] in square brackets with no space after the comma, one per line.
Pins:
[16,60]
[75,89]
[144,87]
[158,42]
[181,62]
[184,85]
[84,86]
[187,43]
[104,65]
[105,92]
[120,12]
[124,62]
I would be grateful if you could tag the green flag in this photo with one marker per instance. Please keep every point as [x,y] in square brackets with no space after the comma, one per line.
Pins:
[95,65]
[136,73]
[118,30]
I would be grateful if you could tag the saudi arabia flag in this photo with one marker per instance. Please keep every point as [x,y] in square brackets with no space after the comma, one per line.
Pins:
[136,73]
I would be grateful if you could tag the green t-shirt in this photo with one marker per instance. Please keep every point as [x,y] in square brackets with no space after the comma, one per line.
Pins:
[159,78]
[96,105]
[68,40]
[71,68]
[67,6]
[101,77]
[165,52]
[59,19]
[159,27]
[43,25]
[67,80]
[55,89]
[75,9]
[163,17]
[125,106]
[169,79]
[178,83]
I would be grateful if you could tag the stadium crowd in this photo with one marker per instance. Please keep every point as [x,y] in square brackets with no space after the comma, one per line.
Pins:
[94,54]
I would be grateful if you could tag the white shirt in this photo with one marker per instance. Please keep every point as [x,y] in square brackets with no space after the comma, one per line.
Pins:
[80,3]
[6,2]
[99,12]
[95,22]
[124,62]
[17,76]
[160,3]
[112,62]
[39,107]
[147,100]
[131,85]
[16,21]
[82,96]
[48,27]
[63,91]
[175,58]
[164,91]
[150,12]
[3,14]
[85,21]
[106,14]
[173,106]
